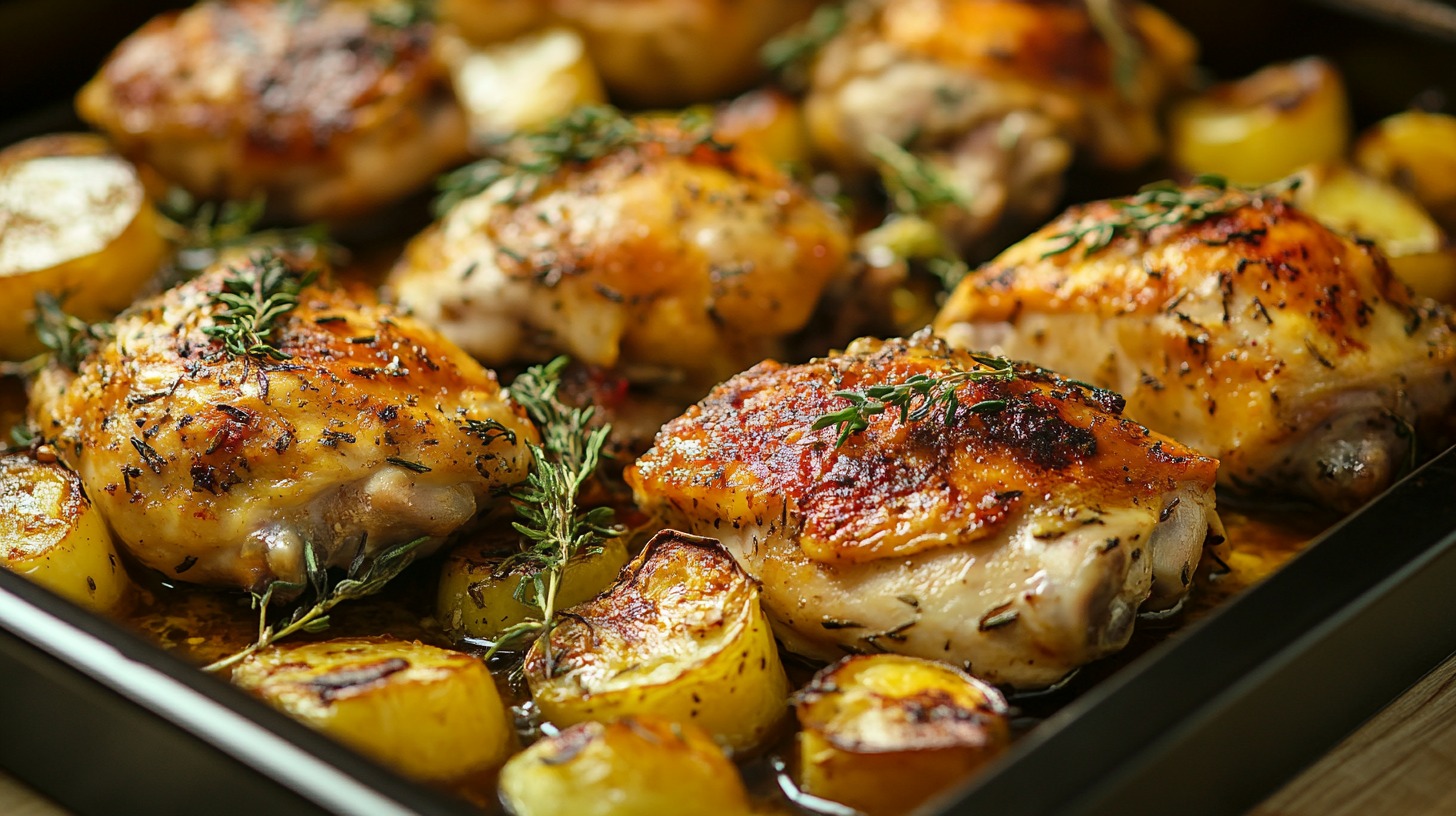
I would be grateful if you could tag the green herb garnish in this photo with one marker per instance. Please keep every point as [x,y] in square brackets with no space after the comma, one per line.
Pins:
[917,398]
[798,45]
[257,296]
[1162,204]
[1109,17]
[365,576]
[914,184]
[554,528]
[201,230]
[69,338]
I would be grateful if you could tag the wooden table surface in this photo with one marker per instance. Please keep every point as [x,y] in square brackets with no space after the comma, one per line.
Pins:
[1401,763]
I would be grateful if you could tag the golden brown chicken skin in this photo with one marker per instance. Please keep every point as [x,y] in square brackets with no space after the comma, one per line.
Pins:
[322,105]
[221,469]
[648,52]
[998,95]
[663,254]
[1022,538]
[1255,335]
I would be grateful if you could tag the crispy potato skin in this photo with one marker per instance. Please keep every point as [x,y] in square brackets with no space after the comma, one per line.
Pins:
[477,596]
[1259,336]
[1416,150]
[681,636]
[871,720]
[216,469]
[74,222]
[635,766]
[432,713]
[1263,127]
[650,53]
[313,103]
[50,534]
[669,258]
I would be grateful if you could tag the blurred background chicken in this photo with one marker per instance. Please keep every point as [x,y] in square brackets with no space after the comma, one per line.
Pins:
[328,107]
[1018,538]
[220,457]
[1235,323]
[637,244]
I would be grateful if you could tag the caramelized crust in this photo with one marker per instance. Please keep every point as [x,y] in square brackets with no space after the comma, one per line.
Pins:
[1245,335]
[316,103]
[221,469]
[900,488]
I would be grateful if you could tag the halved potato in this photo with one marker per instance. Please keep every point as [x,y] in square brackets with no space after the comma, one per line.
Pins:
[636,766]
[681,635]
[477,593]
[1263,127]
[872,721]
[430,712]
[1352,202]
[50,533]
[74,221]
[523,84]
[1417,151]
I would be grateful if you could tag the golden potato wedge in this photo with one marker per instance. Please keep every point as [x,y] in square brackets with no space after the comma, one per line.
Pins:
[1417,151]
[477,595]
[1352,202]
[1263,127]
[681,635]
[431,713]
[50,533]
[870,721]
[768,121]
[522,84]
[75,221]
[636,766]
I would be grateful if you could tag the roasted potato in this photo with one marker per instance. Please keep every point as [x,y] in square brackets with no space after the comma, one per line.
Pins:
[636,766]
[680,635]
[431,713]
[75,222]
[871,720]
[768,121]
[1417,151]
[1352,202]
[50,533]
[1263,127]
[477,595]
[522,84]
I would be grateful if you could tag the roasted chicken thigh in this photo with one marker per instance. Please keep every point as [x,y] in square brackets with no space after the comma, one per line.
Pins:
[213,467]
[1236,324]
[645,246]
[997,95]
[327,107]
[1021,538]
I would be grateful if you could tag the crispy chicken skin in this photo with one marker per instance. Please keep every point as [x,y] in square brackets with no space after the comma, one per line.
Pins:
[999,94]
[670,258]
[1257,336]
[220,470]
[1021,541]
[648,52]
[323,108]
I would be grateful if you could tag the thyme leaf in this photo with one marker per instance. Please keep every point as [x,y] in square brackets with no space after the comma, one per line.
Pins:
[914,184]
[553,527]
[257,296]
[795,47]
[1162,204]
[69,338]
[201,230]
[1110,19]
[365,577]
[918,397]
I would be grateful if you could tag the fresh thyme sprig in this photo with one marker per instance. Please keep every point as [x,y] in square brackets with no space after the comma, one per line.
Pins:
[914,184]
[555,530]
[365,576]
[1162,204]
[793,48]
[584,135]
[69,338]
[916,398]
[1109,17]
[257,295]
[201,230]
